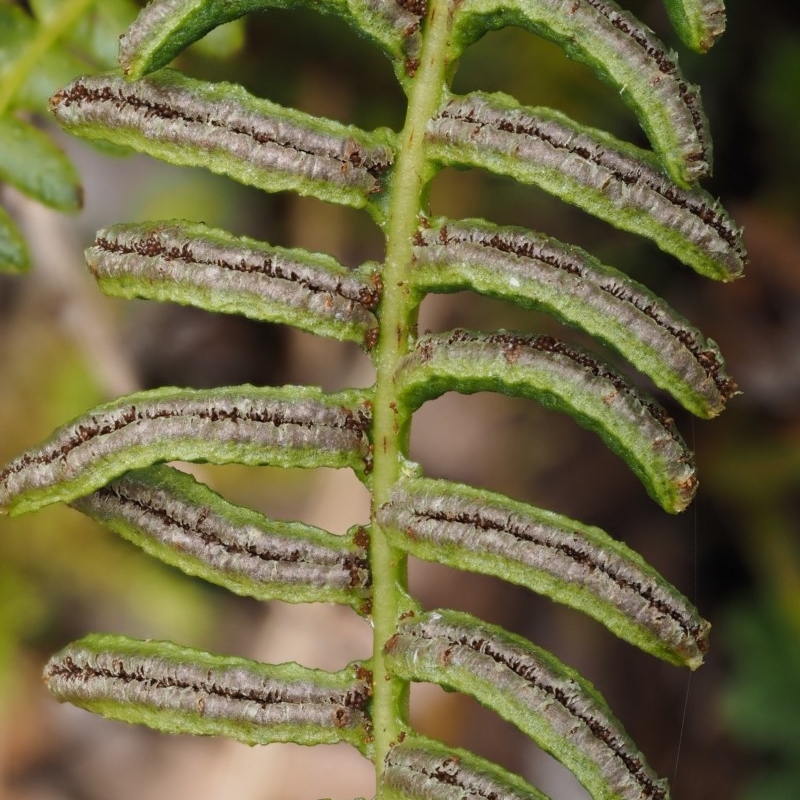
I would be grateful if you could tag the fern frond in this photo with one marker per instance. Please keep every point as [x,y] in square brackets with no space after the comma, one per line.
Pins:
[180,690]
[592,170]
[287,427]
[535,271]
[183,523]
[423,769]
[563,377]
[559,710]
[571,563]
[192,264]
[699,22]
[165,29]
[256,142]
[623,52]
[107,463]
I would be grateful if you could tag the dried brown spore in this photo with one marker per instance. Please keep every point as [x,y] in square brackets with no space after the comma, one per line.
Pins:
[419,8]
[411,66]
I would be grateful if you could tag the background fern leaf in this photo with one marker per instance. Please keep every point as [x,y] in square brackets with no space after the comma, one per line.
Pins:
[39,52]
[13,251]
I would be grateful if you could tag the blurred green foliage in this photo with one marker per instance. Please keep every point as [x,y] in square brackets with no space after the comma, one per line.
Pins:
[763,695]
[780,117]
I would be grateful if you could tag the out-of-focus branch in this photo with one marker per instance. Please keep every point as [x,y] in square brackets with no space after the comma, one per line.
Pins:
[62,282]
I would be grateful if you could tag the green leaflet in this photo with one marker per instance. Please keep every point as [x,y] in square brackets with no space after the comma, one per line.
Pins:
[614,181]
[698,22]
[253,141]
[180,690]
[575,564]
[622,51]
[166,27]
[190,263]
[423,769]
[37,80]
[535,271]
[95,33]
[31,162]
[287,427]
[530,688]
[183,523]
[565,378]
[13,251]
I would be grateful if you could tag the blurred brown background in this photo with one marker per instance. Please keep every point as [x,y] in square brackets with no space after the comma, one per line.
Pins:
[730,732]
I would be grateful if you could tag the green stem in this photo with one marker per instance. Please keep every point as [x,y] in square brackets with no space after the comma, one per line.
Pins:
[397,329]
[47,35]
